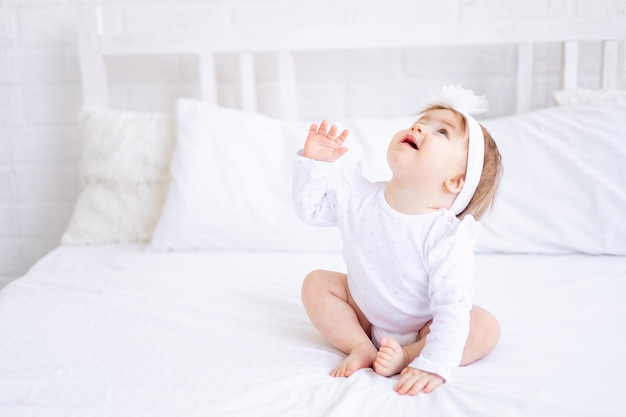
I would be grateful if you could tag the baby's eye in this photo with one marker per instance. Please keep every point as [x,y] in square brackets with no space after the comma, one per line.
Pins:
[443,132]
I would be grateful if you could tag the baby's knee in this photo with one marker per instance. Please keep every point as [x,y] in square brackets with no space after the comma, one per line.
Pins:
[487,327]
[313,278]
[319,282]
[312,283]
[491,330]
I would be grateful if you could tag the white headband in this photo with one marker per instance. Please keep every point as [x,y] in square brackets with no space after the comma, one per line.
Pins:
[466,103]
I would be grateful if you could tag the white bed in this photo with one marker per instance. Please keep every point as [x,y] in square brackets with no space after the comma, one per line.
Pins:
[118,330]
[166,300]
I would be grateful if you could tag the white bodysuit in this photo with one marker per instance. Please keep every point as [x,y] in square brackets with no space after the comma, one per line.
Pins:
[403,270]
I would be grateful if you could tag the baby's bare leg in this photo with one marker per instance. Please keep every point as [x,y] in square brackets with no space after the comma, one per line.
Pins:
[483,337]
[336,316]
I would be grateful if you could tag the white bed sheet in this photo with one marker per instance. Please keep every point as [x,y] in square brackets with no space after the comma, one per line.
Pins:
[122,331]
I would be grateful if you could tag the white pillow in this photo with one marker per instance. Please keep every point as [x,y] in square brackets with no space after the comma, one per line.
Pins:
[124,171]
[564,183]
[231,184]
[231,180]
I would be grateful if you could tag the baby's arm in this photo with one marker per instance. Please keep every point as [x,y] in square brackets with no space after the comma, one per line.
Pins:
[323,144]
[315,203]
[450,265]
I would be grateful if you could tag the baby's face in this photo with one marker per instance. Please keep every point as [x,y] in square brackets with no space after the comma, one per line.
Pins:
[434,148]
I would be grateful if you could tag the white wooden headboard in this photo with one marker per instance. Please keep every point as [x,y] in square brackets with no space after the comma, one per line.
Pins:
[96,45]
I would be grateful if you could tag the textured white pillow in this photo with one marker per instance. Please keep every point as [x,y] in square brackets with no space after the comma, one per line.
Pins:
[124,171]
[231,184]
[563,188]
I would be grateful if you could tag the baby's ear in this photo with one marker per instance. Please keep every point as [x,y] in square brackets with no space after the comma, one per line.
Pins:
[454,184]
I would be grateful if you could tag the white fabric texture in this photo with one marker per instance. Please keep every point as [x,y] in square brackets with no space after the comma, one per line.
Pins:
[562,188]
[403,270]
[475,158]
[124,171]
[119,330]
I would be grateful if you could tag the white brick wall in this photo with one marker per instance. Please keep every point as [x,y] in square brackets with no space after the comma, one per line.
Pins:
[40,89]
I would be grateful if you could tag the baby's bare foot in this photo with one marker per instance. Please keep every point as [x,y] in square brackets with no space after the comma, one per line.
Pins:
[361,356]
[391,358]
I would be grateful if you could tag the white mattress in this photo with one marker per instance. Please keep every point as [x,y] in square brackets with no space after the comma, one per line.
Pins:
[122,331]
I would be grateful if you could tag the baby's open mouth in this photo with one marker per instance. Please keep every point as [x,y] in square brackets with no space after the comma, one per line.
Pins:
[410,140]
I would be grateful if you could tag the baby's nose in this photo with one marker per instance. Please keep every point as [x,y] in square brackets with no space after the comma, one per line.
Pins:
[418,127]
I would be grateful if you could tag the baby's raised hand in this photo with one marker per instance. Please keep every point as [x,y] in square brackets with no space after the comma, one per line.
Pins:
[413,381]
[323,144]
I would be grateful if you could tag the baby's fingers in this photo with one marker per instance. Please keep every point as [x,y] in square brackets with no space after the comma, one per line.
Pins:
[342,137]
[323,127]
[331,133]
[432,384]
[410,384]
[413,381]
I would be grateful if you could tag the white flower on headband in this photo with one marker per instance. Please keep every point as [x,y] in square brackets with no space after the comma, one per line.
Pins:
[458,98]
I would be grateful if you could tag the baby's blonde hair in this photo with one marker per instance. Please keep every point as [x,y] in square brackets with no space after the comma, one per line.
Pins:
[485,193]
